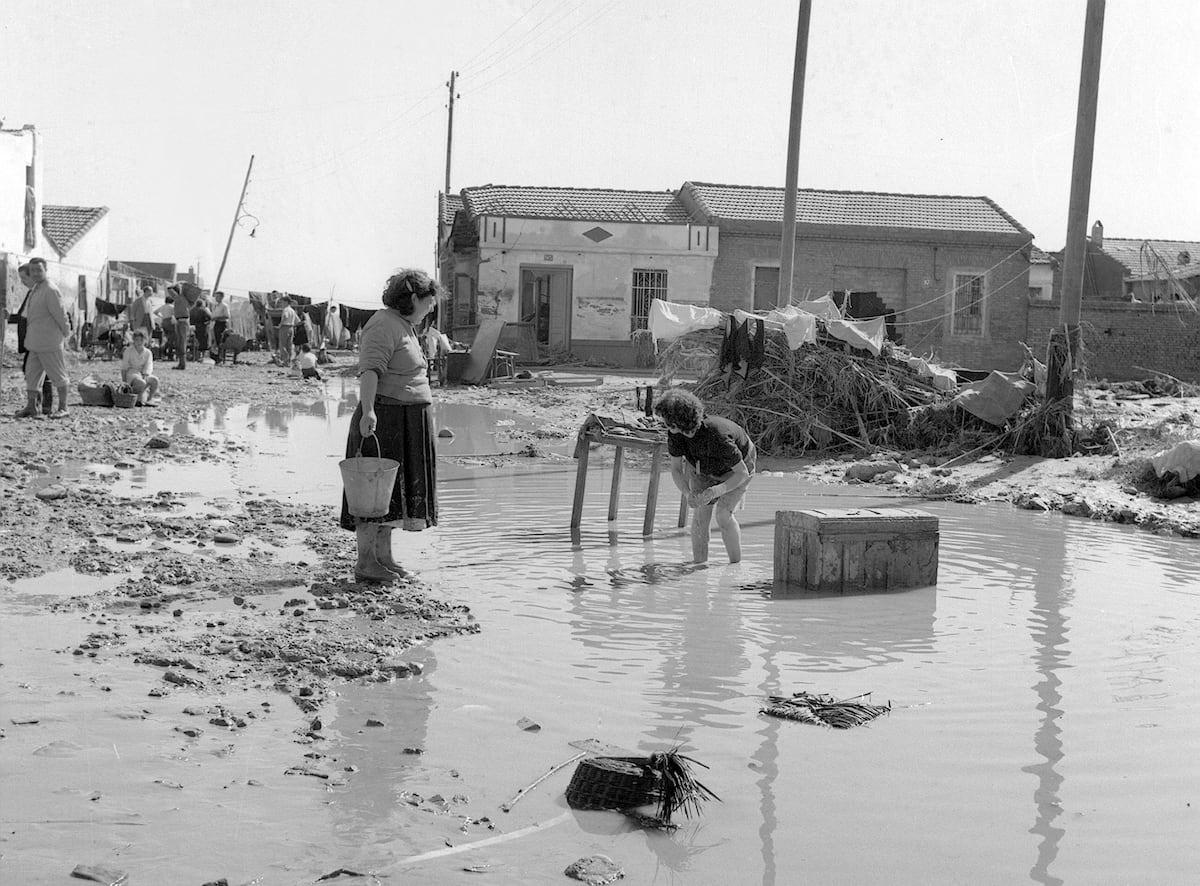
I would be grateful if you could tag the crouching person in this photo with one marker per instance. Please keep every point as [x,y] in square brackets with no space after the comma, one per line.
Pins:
[137,369]
[712,459]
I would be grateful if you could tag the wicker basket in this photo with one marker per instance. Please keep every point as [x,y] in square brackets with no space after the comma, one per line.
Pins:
[613,783]
[124,400]
[95,395]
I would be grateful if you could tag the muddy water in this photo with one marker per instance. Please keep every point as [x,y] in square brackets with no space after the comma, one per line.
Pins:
[1044,723]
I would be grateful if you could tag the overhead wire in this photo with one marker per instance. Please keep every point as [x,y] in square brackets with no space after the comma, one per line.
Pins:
[471,61]
[525,41]
[604,10]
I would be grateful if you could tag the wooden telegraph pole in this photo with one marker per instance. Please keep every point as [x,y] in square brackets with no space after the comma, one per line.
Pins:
[450,129]
[237,214]
[787,245]
[1065,340]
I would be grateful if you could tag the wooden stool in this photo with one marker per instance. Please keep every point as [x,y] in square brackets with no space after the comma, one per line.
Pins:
[656,447]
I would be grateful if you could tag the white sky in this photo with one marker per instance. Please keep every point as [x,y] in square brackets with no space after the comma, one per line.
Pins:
[153,108]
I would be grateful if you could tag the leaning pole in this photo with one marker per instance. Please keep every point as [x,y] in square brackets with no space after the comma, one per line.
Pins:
[1063,354]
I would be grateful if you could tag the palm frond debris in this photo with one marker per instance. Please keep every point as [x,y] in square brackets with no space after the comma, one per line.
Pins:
[821,709]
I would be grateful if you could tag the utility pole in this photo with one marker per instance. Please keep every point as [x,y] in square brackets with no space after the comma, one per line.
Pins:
[787,245]
[450,129]
[237,214]
[1065,340]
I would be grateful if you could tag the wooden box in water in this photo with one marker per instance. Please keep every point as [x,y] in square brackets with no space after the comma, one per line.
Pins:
[856,549]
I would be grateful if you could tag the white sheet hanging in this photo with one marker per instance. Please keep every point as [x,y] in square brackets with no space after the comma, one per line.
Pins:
[866,335]
[670,320]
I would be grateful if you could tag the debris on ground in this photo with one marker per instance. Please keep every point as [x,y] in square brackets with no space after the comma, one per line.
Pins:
[820,709]
[595,870]
[663,779]
[97,874]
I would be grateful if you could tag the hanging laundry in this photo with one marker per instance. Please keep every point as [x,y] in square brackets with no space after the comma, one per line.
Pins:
[108,309]
[743,346]
[670,320]
[866,335]
[353,318]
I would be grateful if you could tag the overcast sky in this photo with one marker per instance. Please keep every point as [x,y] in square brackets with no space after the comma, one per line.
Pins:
[154,107]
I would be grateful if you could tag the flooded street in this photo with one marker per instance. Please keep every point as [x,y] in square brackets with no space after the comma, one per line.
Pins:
[1045,699]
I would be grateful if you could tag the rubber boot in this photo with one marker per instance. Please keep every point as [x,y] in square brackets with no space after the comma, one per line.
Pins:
[32,399]
[367,568]
[383,552]
[62,404]
[47,397]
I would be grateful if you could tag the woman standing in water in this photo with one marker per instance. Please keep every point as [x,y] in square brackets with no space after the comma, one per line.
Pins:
[393,405]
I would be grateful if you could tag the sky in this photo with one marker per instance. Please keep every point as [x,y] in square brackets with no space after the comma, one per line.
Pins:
[154,109]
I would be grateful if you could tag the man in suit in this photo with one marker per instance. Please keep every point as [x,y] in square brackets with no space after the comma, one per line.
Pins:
[45,337]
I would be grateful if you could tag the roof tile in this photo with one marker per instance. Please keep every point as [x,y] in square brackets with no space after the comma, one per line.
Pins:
[864,208]
[64,226]
[1182,257]
[590,204]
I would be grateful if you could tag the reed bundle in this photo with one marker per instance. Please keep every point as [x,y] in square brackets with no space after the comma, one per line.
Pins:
[679,790]
[820,709]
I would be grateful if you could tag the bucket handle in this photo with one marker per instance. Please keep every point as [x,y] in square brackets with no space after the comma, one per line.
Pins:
[378,448]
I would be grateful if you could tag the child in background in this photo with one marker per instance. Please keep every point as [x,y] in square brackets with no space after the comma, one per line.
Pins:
[137,369]
[308,362]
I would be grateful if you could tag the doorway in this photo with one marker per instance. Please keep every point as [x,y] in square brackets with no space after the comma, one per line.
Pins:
[546,305]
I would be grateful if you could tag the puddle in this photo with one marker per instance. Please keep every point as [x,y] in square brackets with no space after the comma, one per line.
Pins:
[1043,693]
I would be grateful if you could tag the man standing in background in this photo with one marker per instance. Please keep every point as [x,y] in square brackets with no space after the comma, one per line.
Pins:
[45,336]
[139,312]
[220,318]
[183,326]
[288,318]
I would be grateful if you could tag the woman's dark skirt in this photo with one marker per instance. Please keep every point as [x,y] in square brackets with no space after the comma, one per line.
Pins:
[405,433]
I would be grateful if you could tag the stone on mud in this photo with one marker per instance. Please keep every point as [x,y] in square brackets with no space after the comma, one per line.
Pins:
[595,870]
[868,471]
[97,874]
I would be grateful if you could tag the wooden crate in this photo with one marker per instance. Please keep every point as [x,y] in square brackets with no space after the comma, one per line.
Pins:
[856,549]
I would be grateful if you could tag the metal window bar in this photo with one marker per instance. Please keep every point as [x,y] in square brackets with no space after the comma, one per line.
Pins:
[647,286]
[968,304]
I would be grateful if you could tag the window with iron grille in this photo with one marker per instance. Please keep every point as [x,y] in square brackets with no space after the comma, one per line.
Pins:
[647,286]
[968,304]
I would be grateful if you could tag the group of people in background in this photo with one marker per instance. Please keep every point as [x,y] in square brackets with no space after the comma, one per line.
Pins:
[185,313]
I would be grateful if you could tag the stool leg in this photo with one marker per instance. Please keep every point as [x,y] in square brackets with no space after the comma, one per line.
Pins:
[652,492]
[614,494]
[582,449]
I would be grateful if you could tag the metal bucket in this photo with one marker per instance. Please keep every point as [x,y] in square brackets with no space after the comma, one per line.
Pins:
[368,482]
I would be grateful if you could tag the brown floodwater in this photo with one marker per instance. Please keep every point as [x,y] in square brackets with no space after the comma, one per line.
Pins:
[1045,704]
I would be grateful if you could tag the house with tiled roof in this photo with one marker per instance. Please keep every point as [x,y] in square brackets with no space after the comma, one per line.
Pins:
[571,270]
[1139,307]
[1145,269]
[72,239]
[950,273]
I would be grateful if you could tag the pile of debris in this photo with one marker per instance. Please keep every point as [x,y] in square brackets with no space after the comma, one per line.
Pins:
[829,396]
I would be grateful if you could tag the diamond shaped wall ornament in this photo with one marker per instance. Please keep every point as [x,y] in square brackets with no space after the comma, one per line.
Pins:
[597,235]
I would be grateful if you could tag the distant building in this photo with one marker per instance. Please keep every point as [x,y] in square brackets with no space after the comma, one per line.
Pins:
[581,265]
[575,269]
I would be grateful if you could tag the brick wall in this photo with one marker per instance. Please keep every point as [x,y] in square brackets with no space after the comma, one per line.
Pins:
[825,263]
[1120,336]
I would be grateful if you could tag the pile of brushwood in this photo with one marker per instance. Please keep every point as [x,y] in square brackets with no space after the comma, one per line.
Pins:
[826,397]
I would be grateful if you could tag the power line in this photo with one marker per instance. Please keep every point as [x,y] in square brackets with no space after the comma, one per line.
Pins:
[498,37]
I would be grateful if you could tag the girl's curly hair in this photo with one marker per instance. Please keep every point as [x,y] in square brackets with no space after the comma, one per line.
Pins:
[680,409]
